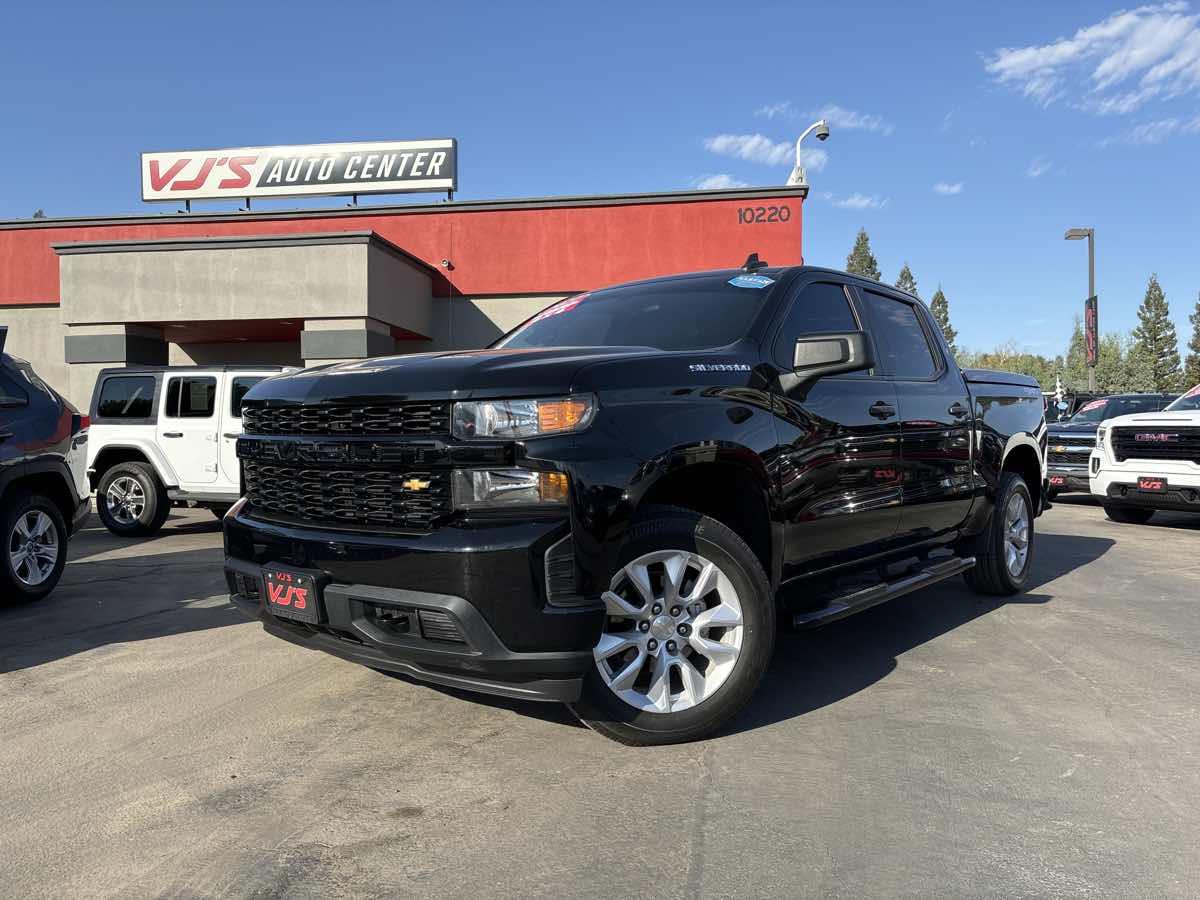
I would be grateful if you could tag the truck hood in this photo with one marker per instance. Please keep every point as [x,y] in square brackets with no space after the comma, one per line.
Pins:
[1065,429]
[449,375]
[1144,420]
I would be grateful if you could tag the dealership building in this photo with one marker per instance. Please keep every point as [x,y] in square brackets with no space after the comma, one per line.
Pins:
[311,286]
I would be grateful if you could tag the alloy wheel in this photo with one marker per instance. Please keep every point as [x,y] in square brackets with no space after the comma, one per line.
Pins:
[33,547]
[126,499]
[672,634]
[1016,535]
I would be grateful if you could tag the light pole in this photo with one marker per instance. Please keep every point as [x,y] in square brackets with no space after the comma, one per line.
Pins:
[821,127]
[1078,234]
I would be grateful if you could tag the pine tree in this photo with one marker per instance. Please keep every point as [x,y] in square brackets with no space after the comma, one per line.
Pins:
[1110,367]
[1157,346]
[861,260]
[1191,371]
[906,282]
[39,214]
[940,307]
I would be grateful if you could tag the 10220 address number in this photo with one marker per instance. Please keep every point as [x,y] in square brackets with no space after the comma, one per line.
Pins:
[752,215]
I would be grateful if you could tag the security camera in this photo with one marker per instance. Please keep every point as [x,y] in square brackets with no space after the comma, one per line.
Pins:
[822,132]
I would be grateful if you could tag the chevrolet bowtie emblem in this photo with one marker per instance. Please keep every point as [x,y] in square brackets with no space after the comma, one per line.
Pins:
[414,484]
[1058,449]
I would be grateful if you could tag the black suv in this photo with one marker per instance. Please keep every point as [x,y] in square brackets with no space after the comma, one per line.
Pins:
[44,495]
[612,505]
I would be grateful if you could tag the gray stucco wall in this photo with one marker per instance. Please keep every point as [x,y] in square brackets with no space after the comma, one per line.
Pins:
[36,333]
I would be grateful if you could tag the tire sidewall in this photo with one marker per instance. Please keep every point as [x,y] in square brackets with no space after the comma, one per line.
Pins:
[148,520]
[23,504]
[709,539]
[1014,485]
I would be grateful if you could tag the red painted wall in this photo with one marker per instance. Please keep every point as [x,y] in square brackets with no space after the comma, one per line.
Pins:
[516,251]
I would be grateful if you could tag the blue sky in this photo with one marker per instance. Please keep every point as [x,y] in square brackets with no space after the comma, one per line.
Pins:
[966,137]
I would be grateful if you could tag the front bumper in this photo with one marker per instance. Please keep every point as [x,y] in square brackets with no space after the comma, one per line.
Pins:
[1074,478]
[1118,484]
[462,606]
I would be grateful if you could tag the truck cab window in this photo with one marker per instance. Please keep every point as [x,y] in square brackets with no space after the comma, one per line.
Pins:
[819,307]
[903,345]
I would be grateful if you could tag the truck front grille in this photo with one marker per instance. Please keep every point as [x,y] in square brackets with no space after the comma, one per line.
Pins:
[1157,442]
[1070,451]
[348,497]
[318,419]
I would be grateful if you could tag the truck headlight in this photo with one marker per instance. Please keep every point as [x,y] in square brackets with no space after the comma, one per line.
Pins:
[499,488]
[515,419]
[1100,438]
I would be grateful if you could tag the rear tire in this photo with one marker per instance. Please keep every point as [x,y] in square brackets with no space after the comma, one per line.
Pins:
[131,501]
[722,629]
[1129,515]
[1001,568]
[34,547]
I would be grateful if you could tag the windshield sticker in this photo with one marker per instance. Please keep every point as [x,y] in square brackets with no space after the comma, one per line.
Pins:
[751,281]
[558,308]
[1193,392]
[1095,404]
[719,367]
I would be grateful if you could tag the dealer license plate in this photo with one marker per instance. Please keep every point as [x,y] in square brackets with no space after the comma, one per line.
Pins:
[292,595]
[1153,485]
[1057,480]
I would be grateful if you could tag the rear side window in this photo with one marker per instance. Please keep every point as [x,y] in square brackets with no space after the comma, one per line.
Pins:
[820,307]
[11,393]
[238,393]
[126,397]
[900,338]
[191,398]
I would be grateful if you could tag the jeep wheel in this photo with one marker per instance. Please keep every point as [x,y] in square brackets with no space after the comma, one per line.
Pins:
[131,500]
[1129,515]
[688,634]
[35,547]
[1004,551]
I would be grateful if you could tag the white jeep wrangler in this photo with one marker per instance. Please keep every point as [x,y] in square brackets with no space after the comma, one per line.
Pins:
[1149,461]
[166,436]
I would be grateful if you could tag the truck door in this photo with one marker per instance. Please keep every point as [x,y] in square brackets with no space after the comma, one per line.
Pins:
[935,416]
[231,426]
[187,428]
[839,443]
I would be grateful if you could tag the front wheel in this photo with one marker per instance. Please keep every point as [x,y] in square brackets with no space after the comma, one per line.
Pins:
[1129,515]
[688,632]
[35,548]
[1004,551]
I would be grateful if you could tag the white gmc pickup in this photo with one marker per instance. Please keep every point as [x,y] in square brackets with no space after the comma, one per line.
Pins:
[1149,461]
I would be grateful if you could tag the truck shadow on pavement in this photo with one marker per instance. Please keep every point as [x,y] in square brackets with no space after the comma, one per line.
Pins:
[111,601]
[813,669]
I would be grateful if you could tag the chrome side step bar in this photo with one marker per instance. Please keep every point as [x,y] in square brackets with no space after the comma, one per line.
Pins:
[865,598]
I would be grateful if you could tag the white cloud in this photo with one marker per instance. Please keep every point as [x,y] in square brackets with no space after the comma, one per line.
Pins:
[976,141]
[1114,66]
[751,147]
[1146,134]
[776,110]
[1038,167]
[716,182]
[852,120]
[948,190]
[813,158]
[857,201]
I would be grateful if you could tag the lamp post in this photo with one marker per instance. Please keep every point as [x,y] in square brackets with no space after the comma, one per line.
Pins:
[798,177]
[1078,234]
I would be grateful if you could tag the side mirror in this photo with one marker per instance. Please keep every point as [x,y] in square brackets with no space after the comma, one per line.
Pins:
[831,354]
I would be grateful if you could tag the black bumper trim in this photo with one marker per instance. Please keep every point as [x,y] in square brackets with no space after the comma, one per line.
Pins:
[1174,500]
[482,664]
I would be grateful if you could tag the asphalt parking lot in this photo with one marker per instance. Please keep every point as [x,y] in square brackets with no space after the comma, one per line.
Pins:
[157,744]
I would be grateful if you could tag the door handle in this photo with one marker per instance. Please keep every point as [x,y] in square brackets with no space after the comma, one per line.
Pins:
[231,435]
[957,410]
[172,434]
[881,410]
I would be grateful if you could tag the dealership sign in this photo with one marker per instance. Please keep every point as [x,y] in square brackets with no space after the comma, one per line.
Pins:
[305,170]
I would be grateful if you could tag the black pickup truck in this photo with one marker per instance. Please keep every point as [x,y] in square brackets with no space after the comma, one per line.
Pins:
[616,504]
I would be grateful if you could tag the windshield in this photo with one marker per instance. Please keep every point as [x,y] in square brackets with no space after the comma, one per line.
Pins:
[1189,402]
[693,313]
